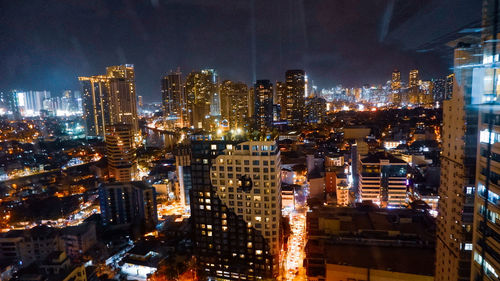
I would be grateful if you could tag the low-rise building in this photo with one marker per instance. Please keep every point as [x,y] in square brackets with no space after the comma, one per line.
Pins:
[23,247]
[78,239]
[383,180]
[369,244]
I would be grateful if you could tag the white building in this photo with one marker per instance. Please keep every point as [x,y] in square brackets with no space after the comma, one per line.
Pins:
[247,180]
[383,180]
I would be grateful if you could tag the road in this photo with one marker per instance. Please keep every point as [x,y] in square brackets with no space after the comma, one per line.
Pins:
[295,254]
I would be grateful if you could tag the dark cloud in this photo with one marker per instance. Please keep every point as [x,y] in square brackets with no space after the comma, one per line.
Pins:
[46,44]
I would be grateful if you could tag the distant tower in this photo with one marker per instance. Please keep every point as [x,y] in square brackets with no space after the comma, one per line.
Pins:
[95,98]
[396,80]
[413,79]
[263,100]
[201,87]
[234,103]
[280,98]
[295,102]
[173,98]
[139,101]
[120,151]
[110,99]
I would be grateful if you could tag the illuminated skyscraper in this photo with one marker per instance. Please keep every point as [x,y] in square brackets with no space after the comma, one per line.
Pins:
[234,103]
[396,80]
[174,100]
[122,94]
[413,78]
[263,108]
[110,99]
[486,227]
[458,168]
[236,209]
[139,101]
[120,152]
[200,89]
[280,98]
[295,100]
[95,99]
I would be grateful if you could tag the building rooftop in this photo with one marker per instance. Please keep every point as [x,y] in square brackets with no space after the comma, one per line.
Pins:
[396,259]
[378,156]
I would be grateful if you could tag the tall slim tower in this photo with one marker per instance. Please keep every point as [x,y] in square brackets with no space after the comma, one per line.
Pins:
[95,99]
[120,151]
[123,99]
[280,98]
[173,99]
[200,89]
[458,168]
[110,99]
[413,78]
[236,208]
[396,80]
[263,108]
[486,246]
[234,103]
[295,92]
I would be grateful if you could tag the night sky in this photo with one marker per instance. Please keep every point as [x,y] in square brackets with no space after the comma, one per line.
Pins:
[48,44]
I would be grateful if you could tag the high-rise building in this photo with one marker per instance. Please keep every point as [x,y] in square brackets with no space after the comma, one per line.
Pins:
[263,106]
[127,203]
[174,100]
[439,90]
[110,99]
[95,99]
[139,101]
[458,168]
[295,101]
[234,103]
[383,180]
[122,94]
[413,79]
[235,208]
[201,86]
[120,152]
[396,80]
[30,103]
[315,110]
[9,103]
[280,98]
[448,91]
[486,227]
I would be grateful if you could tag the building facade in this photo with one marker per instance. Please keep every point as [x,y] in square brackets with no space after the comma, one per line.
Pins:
[110,99]
[173,100]
[295,96]
[383,180]
[263,108]
[128,203]
[458,169]
[235,208]
[121,152]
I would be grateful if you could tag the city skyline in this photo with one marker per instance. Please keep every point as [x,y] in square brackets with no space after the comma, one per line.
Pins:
[297,42]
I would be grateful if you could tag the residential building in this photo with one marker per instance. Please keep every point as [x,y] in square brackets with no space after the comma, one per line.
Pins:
[120,152]
[383,180]
[236,208]
[295,96]
[369,244]
[126,203]
[263,108]
[458,174]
